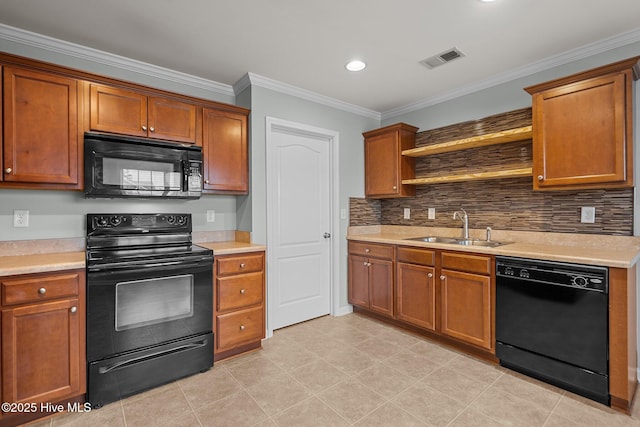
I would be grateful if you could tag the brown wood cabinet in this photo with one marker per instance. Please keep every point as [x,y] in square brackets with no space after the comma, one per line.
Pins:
[582,129]
[41,132]
[43,337]
[239,293]
[134,113]
[467,295]
[225,151]
[415,287]
[371,283]
[384,165]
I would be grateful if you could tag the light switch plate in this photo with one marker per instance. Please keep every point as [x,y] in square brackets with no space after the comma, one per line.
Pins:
[588,214]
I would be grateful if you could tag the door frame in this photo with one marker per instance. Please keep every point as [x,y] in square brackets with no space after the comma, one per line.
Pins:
[274,125]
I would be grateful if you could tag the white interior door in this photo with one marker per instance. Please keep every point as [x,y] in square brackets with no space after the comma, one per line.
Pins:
[299,190]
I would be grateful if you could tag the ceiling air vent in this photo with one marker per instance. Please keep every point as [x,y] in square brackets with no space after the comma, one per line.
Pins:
[442,58]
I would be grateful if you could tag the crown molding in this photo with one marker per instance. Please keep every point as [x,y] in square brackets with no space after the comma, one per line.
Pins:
[585,51]
[51,44]
[267,83]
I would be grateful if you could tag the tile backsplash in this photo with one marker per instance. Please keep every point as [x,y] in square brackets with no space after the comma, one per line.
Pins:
[505,204]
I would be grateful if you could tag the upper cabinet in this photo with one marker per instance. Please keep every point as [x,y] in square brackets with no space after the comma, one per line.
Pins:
[225,151]
[133,113]
[582,129]
[41,133]
[384,165]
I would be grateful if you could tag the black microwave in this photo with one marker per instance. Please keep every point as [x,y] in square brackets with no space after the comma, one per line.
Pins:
[121,166]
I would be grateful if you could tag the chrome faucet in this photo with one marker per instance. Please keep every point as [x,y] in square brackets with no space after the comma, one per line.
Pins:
[462,216]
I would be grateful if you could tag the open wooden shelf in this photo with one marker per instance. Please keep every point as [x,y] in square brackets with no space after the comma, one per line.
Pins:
[478,176]
[511,135]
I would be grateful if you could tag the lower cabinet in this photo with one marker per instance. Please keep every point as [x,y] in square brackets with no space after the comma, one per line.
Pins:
[43,337]
[449,294]
[239,292]
[371,277]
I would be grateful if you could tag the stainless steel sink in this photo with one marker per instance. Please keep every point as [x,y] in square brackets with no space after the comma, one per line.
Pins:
[458,241]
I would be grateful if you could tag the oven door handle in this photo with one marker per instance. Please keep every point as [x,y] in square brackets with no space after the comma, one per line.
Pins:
[139,359]
[111,268]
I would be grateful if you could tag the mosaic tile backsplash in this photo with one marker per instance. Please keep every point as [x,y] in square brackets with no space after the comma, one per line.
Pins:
[505,204]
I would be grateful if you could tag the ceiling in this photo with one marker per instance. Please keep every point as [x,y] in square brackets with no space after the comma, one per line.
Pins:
[307,43]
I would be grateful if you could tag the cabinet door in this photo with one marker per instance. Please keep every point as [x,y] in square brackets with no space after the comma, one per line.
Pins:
[580,135]
[358,281]
[466,307]
[41,352]
[381,286]
[416,297]
[40,128]
[225,151]
[171,120]
[118,111]
[382,177]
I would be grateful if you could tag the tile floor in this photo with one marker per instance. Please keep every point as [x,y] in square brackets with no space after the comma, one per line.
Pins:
[352,371]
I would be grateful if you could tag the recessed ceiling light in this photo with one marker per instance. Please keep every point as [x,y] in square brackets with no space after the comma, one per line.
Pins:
[355,65]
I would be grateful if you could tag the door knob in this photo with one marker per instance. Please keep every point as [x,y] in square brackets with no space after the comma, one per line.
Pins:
[327,235]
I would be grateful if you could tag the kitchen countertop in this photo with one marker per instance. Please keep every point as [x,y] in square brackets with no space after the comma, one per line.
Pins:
[40,262]
[603,250]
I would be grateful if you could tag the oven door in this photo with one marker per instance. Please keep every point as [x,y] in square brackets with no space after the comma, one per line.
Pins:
[143,306]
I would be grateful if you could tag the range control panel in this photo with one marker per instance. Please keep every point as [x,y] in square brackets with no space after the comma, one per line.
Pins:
[137,222]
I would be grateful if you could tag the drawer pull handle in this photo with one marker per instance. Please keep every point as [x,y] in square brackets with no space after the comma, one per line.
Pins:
[430,275]
[242,291]
[73,309]
[242,265]
[242,327]
[42,291]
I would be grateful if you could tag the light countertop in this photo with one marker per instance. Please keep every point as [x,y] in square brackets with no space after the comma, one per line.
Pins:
[39,262]
[609,251]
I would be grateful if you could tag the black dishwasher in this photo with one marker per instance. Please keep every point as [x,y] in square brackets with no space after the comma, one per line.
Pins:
[552,323]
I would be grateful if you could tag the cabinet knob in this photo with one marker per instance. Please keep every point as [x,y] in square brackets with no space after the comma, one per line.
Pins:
[242,291]
[540,178]
[242,265]
[152,129]
[8,170]
[367,250]
[144,128]
[73,309]
[206,181]
[442,277]
[42,291]
[430,275]
[395,187]
[242,327]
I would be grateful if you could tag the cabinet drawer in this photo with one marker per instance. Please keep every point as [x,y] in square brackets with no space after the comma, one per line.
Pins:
[416,256]
[239,291]
[39,288]
[240,264]
[466,262]
[371,249]
[239,327]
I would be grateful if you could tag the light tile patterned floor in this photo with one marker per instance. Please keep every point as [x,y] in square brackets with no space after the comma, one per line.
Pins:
[352,371]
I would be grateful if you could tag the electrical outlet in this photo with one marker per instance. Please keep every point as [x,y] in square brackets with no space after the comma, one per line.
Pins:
[407,213]
[20,218]
[431,213]
[588,214]
[211,216]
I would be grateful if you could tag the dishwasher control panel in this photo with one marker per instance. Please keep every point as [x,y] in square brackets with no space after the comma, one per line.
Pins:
[557,273]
